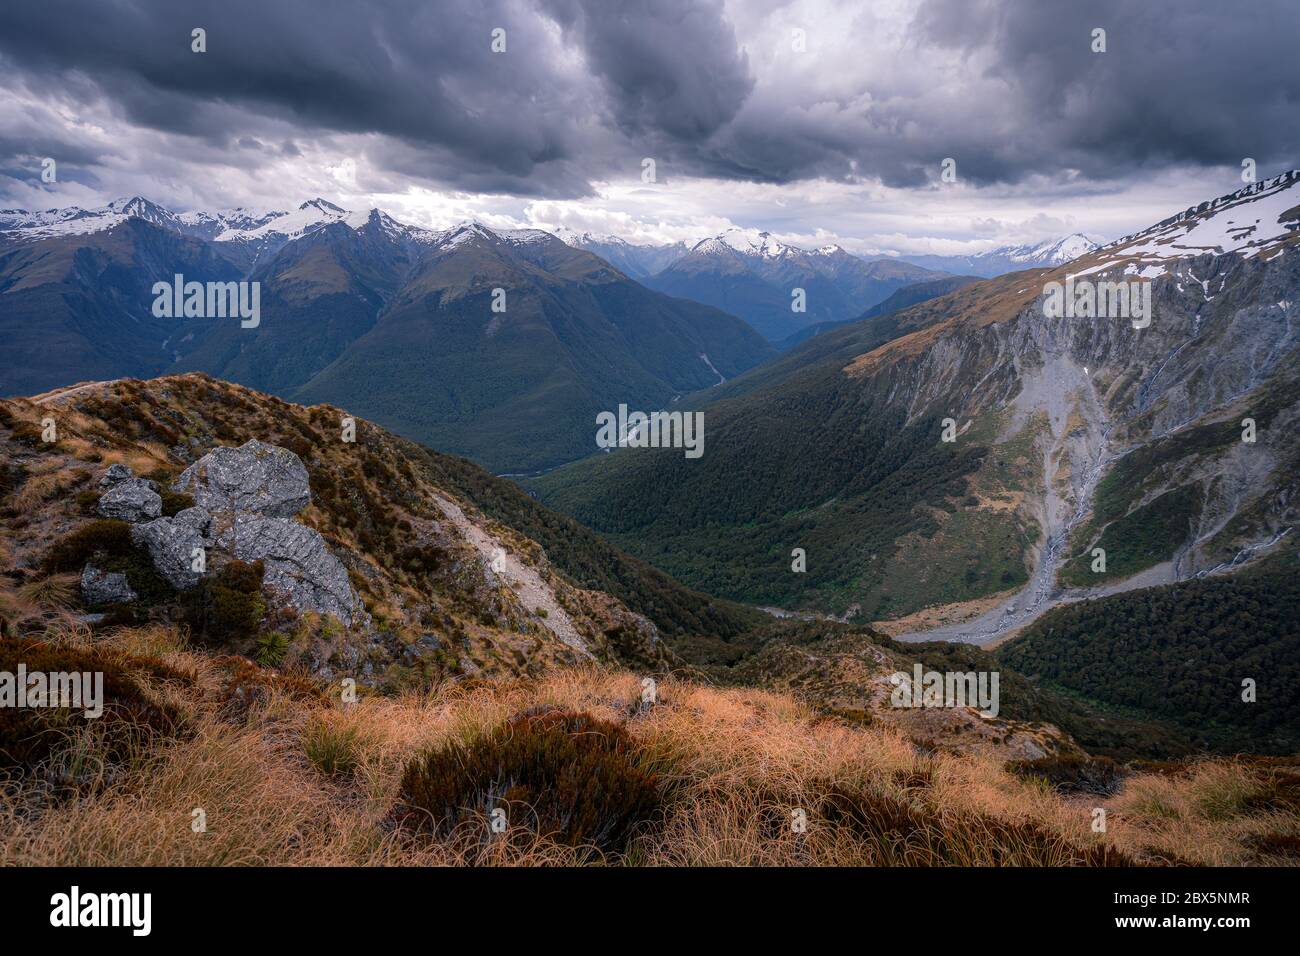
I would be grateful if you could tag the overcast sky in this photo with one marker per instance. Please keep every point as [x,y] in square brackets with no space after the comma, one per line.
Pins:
[837,133]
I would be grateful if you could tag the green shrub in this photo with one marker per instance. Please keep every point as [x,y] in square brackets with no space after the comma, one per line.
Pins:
[108,543]
[227,606]
[333,750]
[271,648]
[566,776]
[102,537]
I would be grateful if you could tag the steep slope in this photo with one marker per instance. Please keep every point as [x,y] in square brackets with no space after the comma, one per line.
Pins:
[77,305]
[520,389]
[443,575]
[752,275]
[320,294]
[1200,641]
[1070,434]
[446,587]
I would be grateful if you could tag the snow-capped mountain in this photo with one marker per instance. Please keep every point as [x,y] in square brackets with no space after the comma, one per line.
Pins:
[754,275]
[73,220]
[1004,259]
[255,233]
[1253,221]
[391,320]
[632,259]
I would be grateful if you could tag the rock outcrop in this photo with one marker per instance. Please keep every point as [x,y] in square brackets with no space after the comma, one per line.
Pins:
[131,499]
[105,587]
[300,569]
[174,544]
[245,499]
[115,474]
[255,478]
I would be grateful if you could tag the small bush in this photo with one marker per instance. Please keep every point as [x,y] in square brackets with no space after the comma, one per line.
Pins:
[910,833]
[562,775]
[271,648]
[1072,774]
[245,685]
[108,544]
[334,750]
[29,735]
[228,606]
[104,537]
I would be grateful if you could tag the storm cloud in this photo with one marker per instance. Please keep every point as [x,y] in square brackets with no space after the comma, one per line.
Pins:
[411,91]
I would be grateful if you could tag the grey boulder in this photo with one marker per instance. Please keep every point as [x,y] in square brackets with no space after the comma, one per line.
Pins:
[115,474]
[172,544]
[105,587]
[299,568]
[255,478]
[130,499]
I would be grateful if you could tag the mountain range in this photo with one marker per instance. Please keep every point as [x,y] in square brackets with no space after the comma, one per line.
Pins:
[780,289]
[396,320]
[1004,259]
[948,466]
[1067,435]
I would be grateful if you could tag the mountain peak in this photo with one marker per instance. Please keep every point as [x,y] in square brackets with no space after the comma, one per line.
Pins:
[323,205]
[1255,219]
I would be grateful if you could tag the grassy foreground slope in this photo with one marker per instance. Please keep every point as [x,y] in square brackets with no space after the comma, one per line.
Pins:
[286,775]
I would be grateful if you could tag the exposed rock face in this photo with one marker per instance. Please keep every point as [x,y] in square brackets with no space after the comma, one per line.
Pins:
[245,498]
[255,478]
[172,543]
[115,474]
[131,499]
[300,569]
[101,587]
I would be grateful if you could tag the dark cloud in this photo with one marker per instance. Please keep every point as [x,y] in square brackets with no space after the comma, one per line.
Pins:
[587,87]
[671,67]
[1181,82]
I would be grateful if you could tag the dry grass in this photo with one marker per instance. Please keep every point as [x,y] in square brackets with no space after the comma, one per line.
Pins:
[293,784]
[55,591]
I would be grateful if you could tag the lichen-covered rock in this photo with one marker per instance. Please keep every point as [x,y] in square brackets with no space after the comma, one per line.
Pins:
[172,544]
[105,587]
[300,569]
[131,499]
[115,474]
[255,478]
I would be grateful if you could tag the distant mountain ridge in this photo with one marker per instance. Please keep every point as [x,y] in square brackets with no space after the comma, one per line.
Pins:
[753,275]
[996,262]
[501,345]
[634,259]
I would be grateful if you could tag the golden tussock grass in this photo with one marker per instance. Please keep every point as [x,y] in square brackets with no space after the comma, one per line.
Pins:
[296,783]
